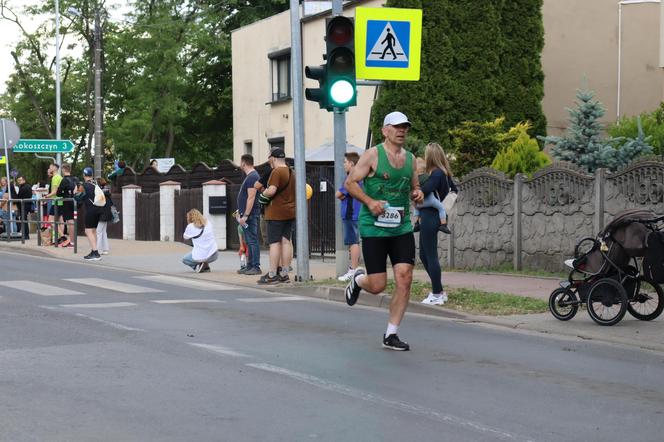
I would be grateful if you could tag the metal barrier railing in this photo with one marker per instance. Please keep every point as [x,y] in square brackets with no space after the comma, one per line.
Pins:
[13,221]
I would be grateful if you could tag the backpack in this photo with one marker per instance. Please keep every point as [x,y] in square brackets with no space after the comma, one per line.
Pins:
[67,187]
[100,198]
[653,263]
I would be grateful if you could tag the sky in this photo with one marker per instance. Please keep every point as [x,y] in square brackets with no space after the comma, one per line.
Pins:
[10,33]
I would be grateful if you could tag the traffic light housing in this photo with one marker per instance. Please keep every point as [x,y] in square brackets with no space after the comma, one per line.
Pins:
[340,55]
[336,78]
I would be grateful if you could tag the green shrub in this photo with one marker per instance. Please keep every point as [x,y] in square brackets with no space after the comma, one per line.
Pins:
[475,144]
[522,155]
[653,127]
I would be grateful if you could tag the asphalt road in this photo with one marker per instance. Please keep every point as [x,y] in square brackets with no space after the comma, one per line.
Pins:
[91,353]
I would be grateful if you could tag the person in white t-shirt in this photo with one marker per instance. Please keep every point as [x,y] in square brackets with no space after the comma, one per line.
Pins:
[201,233]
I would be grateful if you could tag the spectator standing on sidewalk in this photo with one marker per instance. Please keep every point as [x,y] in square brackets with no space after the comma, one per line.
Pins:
[3,186]
[279,201]
[105,217]
[66,189]
[438,184]
[249,214]
[350,211]
[23,193]
[390,182]
[201,233]
[92,213]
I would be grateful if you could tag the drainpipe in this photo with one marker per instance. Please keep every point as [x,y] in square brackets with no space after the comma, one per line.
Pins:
[620,6]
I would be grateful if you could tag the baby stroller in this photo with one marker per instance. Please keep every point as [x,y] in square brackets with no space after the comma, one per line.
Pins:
[619,271]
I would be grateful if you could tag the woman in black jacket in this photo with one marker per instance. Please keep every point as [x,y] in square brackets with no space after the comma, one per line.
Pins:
[440,184]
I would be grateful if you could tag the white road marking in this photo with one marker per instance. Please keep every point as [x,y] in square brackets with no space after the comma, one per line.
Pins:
[398,405]
[110,323]
[221,350]
[101,305]
[186,282]
[185,301]
[113,285]
[274,299]
[39,289]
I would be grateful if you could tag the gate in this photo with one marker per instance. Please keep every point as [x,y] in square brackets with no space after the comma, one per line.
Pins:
[115,230]
[185,200]
[147,216]
[321,210]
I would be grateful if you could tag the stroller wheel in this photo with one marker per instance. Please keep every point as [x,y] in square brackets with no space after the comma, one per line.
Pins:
[607,301]
[563,304]
[647,302]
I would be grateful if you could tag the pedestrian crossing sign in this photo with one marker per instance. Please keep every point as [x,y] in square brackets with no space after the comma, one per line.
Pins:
[388,43]
[3,159]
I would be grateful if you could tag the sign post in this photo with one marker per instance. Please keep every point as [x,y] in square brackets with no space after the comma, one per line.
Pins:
[10,135]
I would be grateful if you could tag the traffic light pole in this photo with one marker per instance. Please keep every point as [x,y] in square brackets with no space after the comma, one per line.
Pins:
[339,172]
[301,212]
[339,178]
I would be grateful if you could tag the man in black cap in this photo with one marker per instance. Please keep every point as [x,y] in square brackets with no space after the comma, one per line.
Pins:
[279,201]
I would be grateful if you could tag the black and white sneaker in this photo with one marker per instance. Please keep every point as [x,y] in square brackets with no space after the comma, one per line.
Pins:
[353,289]
[199,267]
[393,342]
[92,256]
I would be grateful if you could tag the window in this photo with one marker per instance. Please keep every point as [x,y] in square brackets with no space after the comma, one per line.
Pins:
[248,147]
[281,75]
[276,143]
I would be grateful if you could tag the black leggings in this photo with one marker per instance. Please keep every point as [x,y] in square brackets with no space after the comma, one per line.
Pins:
[429,222]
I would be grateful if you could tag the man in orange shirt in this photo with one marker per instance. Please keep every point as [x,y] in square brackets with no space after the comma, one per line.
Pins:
[279,200]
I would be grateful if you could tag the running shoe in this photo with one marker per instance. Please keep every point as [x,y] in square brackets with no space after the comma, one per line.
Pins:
[435,299]
[199,267]
[284,278]
[346,276]
[252,271]
[393,342]
[206,268]
[92,256]
[353,289]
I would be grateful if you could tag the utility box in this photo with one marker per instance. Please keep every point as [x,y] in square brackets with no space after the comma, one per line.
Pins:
[218,205]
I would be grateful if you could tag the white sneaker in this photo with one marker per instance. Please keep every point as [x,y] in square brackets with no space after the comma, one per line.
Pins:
[346,276]
[435,300]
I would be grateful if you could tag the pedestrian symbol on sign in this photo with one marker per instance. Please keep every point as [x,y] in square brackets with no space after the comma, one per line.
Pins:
[390,43]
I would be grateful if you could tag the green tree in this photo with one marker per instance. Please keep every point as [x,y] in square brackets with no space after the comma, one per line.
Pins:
[652,125]
[522,155]
[584,143]
[475,144]
[480,61]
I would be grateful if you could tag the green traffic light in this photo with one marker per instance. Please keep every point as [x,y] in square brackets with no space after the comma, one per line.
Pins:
[342,92]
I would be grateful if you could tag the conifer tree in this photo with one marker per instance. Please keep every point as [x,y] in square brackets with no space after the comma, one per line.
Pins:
[583,144]
[522,154]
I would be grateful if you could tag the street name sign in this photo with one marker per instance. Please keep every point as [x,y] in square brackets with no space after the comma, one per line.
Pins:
[388,43]
[44,146]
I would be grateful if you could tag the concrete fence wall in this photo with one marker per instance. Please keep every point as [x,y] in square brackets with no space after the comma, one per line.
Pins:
[535,223]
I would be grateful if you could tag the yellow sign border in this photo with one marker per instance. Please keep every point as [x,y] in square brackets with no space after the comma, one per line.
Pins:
[414,16]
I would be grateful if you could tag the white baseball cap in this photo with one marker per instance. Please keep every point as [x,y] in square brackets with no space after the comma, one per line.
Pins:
[395,118]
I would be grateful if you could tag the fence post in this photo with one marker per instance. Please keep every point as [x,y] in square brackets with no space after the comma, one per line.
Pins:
[129,211]
[450,248]
[215,188]
[518,185]
[167,210]
[598,219]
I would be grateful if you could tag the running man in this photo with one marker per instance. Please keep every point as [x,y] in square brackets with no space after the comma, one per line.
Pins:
[388,172]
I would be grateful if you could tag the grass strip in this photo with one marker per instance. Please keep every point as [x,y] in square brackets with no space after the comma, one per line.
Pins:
[472,301]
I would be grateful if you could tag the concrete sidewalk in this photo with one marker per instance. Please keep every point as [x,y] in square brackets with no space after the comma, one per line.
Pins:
[165,258]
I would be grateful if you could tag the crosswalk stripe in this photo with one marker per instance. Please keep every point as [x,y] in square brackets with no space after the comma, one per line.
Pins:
[221,350]
[100,305]
[39,289]
[184,301]
[273,299]
[115,286]
[186,282]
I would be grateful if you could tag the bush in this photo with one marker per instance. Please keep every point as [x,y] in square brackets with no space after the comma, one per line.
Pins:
[522,155]
[474,144]
[653,128]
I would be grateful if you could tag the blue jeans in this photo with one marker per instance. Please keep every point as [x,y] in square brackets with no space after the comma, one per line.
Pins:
[251,238]
[188,261]
[4,215]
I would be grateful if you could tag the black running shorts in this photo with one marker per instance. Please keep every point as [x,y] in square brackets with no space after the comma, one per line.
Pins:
[400,249]
[92,215]
[276,230]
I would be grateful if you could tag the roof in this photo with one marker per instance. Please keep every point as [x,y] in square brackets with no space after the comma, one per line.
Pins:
[325,153]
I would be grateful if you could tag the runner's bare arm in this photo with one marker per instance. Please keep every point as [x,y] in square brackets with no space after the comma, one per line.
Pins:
[364,167]
[416,195]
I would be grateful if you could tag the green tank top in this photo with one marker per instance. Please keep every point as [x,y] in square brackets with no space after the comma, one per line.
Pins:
[391,185]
